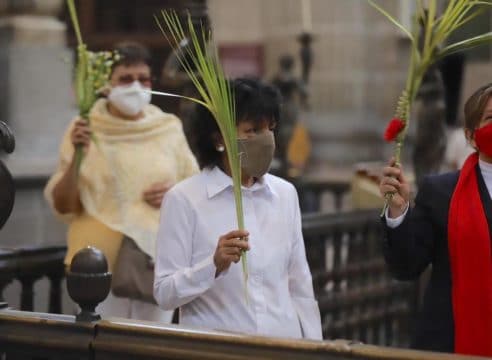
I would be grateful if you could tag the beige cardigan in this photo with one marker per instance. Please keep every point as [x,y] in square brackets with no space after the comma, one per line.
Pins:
[127,158]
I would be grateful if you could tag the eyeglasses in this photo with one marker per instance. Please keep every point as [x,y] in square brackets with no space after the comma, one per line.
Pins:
[128,79]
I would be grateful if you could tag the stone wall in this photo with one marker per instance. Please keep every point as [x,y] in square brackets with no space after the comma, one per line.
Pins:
[37,80]
[359,68]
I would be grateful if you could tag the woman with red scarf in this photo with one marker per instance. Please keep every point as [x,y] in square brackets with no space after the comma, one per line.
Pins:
[450,228]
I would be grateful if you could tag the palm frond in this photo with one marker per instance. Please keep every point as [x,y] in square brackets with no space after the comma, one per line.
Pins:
[201,63]
[434,31]
[75,20]
[91,74]
[464,45]
[392,19]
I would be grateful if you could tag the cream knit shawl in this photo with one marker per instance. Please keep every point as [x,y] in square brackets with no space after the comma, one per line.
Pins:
[127,158]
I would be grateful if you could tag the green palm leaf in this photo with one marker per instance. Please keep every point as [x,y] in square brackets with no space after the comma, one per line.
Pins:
[434,31]
[201,63]
[392,19]
[464,45]
[91,73]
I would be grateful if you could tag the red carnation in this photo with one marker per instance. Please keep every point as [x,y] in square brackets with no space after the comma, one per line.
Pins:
[393,129]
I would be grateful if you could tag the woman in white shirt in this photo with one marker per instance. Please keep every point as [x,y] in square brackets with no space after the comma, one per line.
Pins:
[198,250]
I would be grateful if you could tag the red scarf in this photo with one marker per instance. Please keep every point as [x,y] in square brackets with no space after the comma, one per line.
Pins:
[471,265]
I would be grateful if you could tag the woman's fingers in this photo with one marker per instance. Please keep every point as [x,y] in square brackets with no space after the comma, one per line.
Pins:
[238,243]
[236,234]
[235,239]
[160,187]
[391,171]
[154,195]
[394,170]
[150,196]
[81,140]
[395,184]
[81,133]
[232,250]
[86,134]
[391,181]
[385,189]
[153,201]
[81,126]
[228,259]
[235,258]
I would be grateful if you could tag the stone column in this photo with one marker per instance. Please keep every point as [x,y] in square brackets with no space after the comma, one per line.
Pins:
[36,102]
[35,88]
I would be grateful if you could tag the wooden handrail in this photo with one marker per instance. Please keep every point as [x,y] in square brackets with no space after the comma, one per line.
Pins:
[28,335]
[321,223]
[64,338]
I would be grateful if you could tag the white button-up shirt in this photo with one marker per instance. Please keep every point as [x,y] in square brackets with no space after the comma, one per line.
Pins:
[278,299]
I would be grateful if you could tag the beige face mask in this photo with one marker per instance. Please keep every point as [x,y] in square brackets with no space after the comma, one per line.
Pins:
[256,154]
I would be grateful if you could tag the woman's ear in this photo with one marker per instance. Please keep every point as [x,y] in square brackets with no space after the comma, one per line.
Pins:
[104,91]
[218,142]
[470,138]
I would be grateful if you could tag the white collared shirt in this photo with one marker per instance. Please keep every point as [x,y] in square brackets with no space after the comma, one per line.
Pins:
[485,170]
[279,299]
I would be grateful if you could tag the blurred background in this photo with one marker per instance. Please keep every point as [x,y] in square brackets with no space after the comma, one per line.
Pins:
[340,65]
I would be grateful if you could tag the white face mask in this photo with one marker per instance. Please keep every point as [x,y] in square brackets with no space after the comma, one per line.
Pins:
[130,100]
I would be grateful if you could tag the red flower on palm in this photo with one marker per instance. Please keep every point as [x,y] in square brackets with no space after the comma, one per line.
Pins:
[395,126]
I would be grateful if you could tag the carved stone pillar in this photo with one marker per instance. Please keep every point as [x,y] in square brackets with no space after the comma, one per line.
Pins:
[36,100]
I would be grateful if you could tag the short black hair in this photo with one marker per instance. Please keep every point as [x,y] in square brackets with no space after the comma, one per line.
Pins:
[132,53]
[254,100]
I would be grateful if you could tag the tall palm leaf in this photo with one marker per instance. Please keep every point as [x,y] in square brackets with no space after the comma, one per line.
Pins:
[201,62]
[92,73]
[428,35]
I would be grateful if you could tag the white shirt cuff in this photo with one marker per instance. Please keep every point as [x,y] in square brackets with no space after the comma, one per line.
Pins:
[204,271]
[393,223]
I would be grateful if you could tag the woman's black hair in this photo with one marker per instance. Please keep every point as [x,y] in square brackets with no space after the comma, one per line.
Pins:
[132,53]
[255,101]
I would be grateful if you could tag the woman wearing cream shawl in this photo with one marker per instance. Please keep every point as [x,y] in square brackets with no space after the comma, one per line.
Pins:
[138,154]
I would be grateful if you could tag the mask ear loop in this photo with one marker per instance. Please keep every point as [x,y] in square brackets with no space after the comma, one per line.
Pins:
[241,154]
